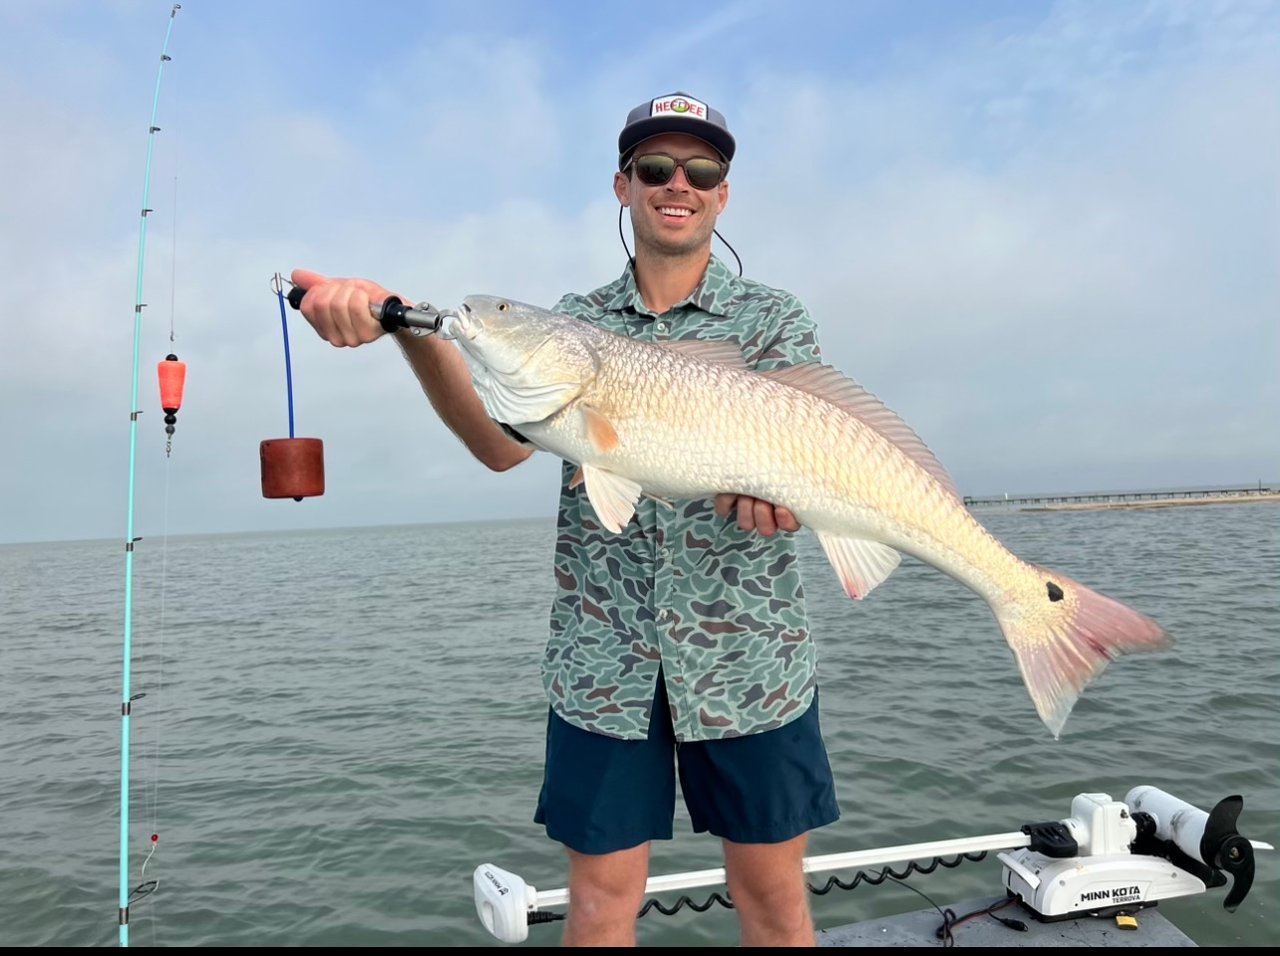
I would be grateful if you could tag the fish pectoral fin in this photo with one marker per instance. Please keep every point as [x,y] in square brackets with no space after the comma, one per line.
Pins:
[599,430]
[860,564]
[612,496]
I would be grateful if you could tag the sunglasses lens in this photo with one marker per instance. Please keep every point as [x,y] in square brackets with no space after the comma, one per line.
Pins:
[655,170]
[702,173]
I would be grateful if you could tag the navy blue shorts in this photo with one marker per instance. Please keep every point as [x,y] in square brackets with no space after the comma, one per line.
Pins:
[601,794]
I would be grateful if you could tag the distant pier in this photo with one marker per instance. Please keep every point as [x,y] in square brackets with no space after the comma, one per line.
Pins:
[1130,499]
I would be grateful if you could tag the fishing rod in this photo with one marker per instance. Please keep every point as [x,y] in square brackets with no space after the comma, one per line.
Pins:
[127,697]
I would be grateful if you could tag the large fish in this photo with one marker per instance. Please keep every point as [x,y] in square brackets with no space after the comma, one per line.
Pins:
[688,419]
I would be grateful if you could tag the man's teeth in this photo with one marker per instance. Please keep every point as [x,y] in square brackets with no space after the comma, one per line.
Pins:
[672,211]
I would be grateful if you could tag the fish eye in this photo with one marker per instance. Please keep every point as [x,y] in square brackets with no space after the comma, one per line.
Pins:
[503,306]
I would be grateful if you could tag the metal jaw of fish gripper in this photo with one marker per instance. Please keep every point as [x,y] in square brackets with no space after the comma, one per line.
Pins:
[421,319]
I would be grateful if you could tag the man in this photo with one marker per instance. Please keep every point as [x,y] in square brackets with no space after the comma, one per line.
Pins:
[683,640]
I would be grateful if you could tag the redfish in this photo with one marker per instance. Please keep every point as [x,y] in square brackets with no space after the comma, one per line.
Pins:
[689,420]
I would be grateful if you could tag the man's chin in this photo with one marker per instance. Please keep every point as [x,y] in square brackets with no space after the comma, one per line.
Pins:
[679,246]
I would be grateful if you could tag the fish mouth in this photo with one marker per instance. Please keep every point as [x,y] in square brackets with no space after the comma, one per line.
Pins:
[458,324]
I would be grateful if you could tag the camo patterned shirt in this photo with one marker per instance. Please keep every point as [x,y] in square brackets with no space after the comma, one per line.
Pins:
[719,611]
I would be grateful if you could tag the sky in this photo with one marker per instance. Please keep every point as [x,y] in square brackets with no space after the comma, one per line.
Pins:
[1047,234]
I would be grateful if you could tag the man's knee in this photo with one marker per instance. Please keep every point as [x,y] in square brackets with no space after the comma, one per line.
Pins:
[770,892]
[605,895]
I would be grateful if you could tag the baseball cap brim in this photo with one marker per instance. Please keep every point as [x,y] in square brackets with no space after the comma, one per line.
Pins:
[719,139]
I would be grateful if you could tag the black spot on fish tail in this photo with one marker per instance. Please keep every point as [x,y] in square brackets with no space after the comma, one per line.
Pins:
[1055,592]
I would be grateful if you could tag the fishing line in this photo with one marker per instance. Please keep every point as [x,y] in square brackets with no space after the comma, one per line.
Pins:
[163,371]
[173,258]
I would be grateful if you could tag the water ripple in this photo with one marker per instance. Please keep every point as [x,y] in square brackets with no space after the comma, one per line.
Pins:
[328,750]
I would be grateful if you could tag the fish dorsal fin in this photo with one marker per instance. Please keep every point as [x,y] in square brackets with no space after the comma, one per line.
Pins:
[831,385]
[860,564]
[612,496]
[721,353]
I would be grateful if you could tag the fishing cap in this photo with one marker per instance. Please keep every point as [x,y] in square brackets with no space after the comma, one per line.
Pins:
[675,113]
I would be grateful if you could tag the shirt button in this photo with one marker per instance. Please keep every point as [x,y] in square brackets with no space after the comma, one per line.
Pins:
[662,326]
[666,554]
[664,614]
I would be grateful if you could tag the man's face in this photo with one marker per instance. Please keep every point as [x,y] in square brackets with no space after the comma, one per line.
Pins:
[673,219]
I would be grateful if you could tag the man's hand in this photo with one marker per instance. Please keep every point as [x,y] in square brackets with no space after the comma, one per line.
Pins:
[338,309]
[756,515]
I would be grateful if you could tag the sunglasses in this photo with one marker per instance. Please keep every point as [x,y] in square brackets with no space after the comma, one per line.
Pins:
[656,169]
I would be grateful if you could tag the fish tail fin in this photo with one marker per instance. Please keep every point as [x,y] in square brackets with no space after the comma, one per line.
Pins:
[1064,635]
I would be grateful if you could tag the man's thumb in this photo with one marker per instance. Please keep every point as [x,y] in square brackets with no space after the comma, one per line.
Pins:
[305,280]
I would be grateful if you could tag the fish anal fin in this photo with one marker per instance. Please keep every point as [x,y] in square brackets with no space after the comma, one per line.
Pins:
[612,496]
[859,563]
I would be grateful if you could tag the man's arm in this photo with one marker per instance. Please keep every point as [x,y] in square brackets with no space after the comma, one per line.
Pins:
[338,309]
[444,376]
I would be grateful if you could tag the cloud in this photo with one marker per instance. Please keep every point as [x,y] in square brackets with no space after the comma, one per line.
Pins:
[1048,243]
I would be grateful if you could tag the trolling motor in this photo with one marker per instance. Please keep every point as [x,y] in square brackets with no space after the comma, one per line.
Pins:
[1112,857]
[1107,858]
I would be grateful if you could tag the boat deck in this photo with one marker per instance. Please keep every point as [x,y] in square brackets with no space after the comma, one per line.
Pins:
[918,929]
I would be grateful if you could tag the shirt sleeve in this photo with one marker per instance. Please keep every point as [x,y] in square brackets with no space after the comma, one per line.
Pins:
[790,336]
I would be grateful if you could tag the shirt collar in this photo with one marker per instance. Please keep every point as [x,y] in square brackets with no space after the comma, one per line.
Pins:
[714,294]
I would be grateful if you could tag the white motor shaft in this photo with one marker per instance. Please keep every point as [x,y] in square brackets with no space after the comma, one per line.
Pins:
[1176,820]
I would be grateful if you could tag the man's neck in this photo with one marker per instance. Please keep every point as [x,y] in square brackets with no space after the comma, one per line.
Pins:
[665,280]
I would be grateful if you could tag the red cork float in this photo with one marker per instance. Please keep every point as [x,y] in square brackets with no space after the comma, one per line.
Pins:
[292,468]
[173,376]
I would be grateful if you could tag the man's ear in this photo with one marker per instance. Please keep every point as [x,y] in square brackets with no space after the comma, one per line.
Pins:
[622,188]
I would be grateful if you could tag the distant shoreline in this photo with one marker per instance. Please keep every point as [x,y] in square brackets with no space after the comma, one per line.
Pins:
[1156,503]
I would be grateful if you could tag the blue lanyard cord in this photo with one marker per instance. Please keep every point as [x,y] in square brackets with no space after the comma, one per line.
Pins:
[288,366]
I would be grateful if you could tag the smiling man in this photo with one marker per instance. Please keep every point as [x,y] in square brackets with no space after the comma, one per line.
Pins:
[679,649]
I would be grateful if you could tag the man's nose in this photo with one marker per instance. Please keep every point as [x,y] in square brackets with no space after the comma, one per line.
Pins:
[678,181]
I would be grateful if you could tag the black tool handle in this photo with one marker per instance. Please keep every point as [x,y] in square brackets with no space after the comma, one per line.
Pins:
[391,313]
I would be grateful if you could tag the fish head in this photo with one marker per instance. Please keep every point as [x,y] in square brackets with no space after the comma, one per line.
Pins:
[526,363]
